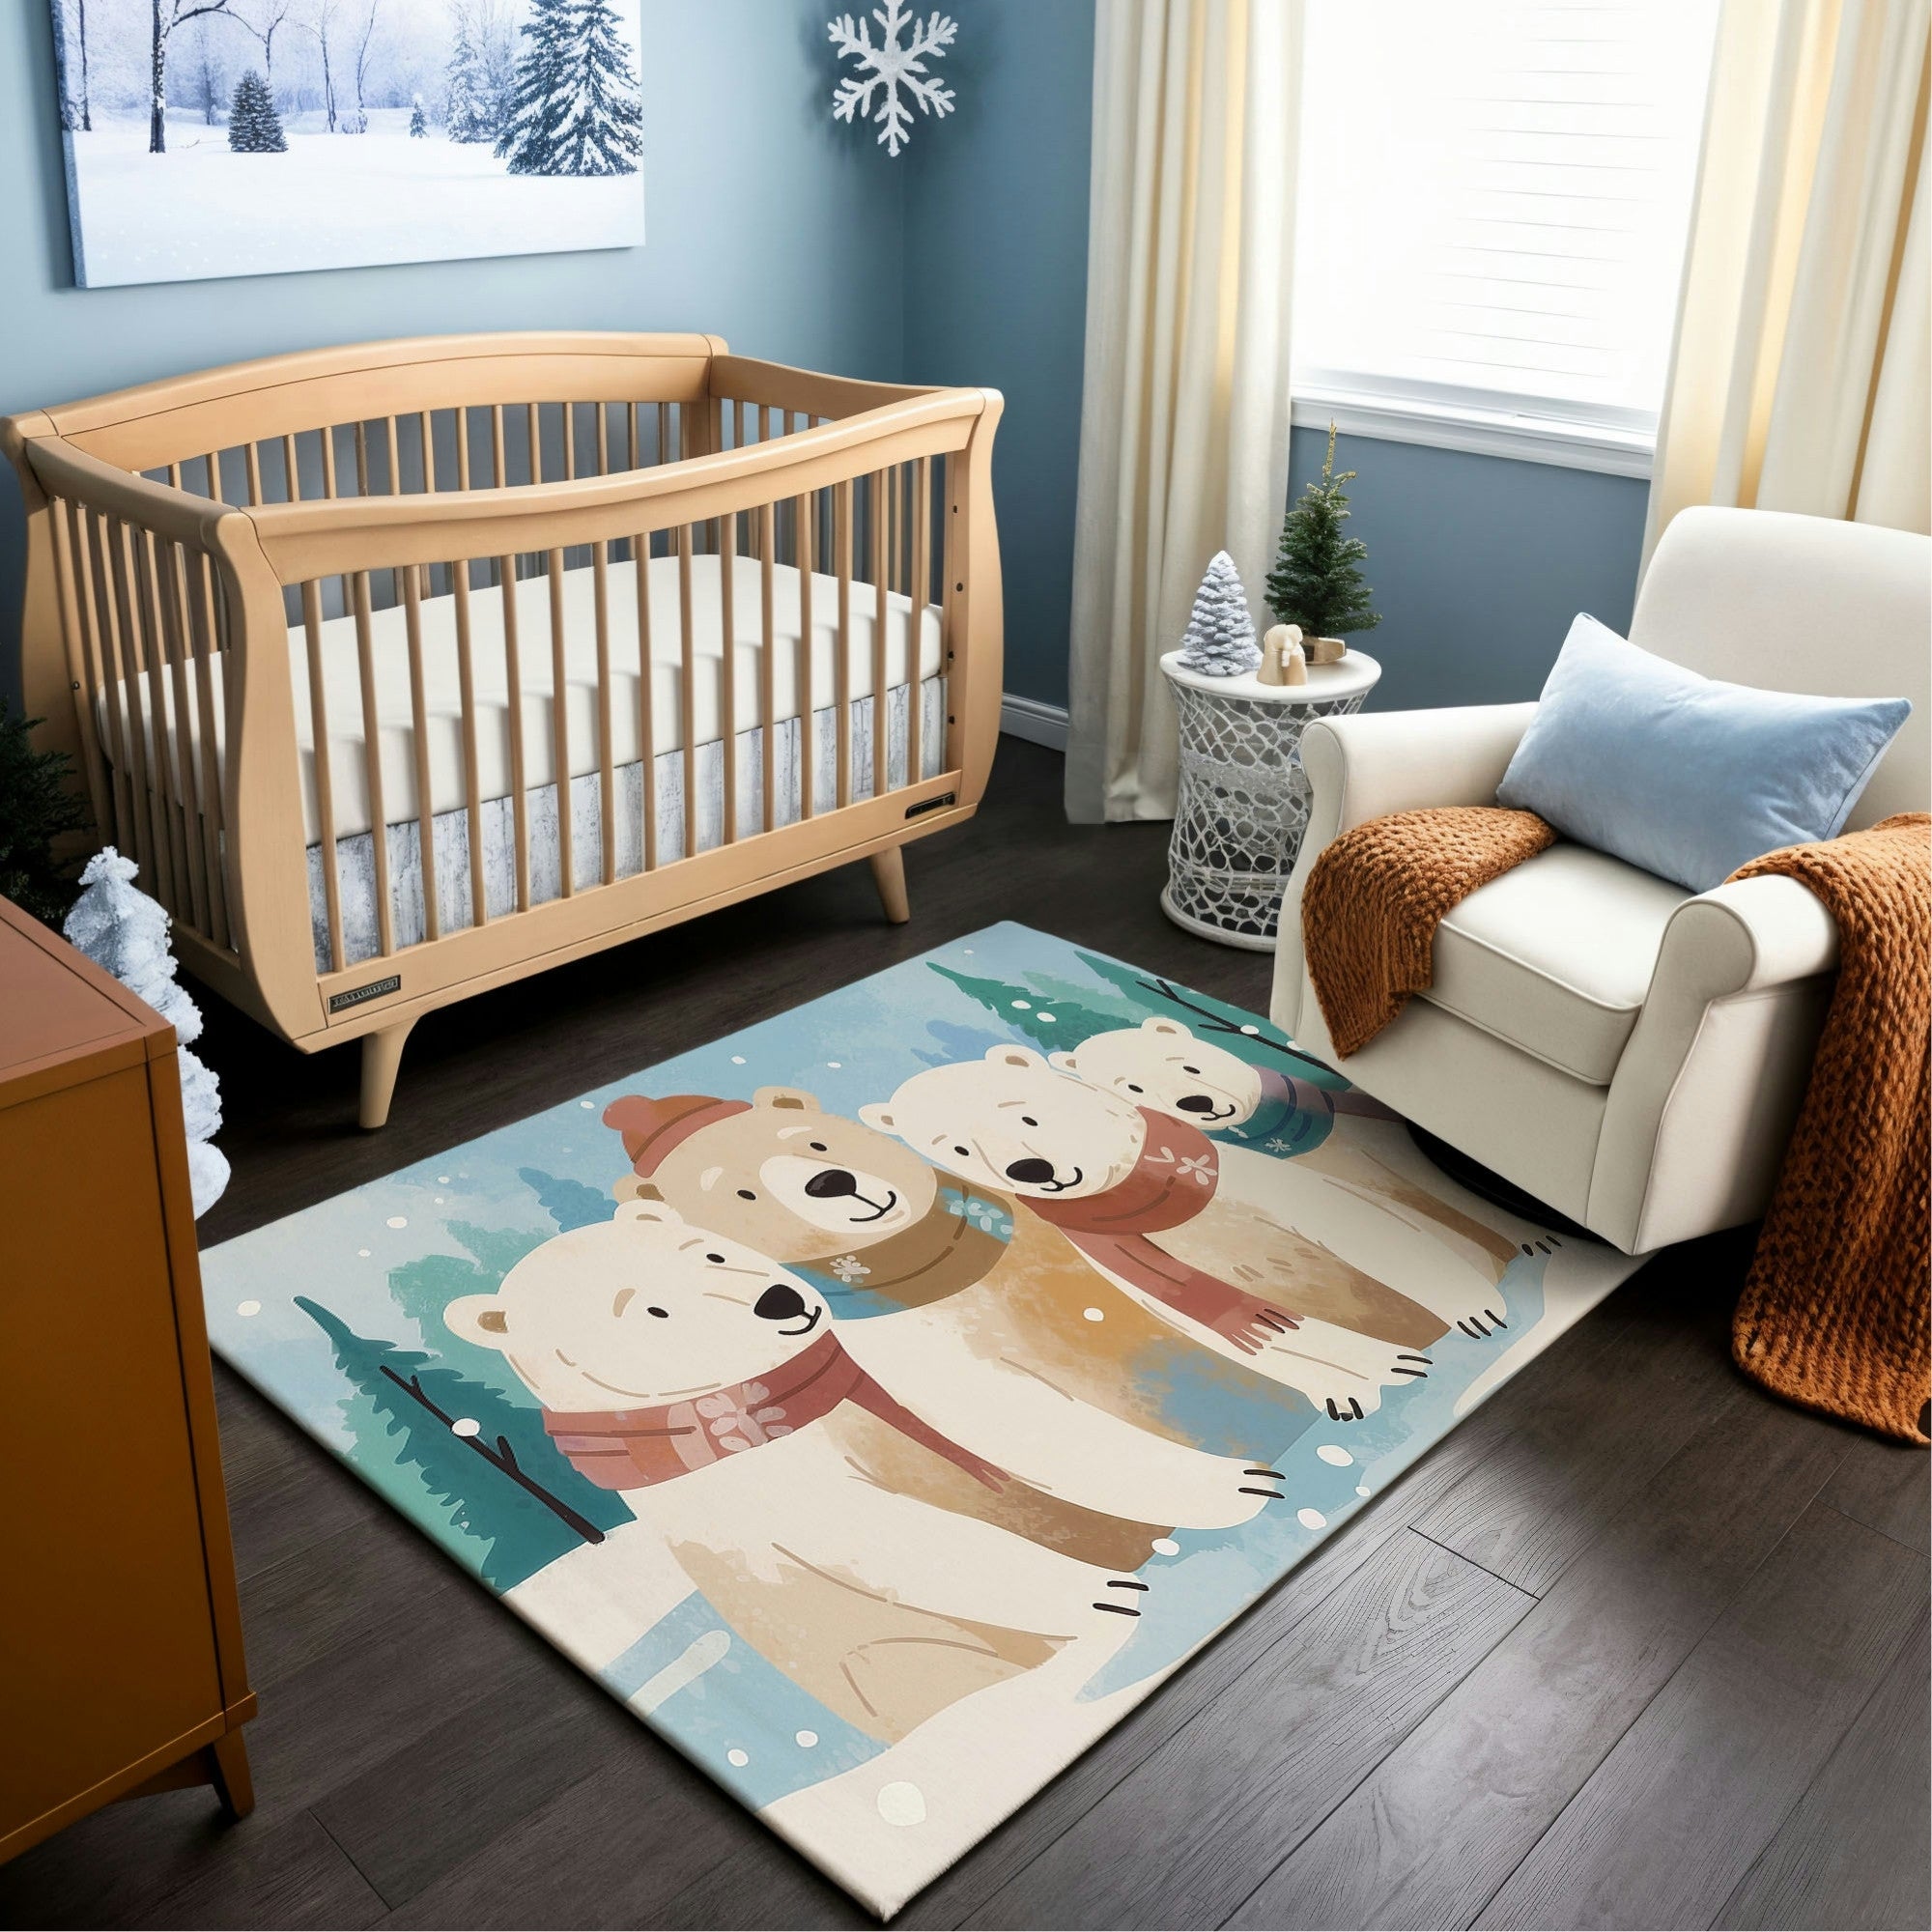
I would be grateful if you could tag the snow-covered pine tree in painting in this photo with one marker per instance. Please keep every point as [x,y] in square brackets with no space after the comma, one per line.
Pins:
[397,142]
[253,126]
[576,109]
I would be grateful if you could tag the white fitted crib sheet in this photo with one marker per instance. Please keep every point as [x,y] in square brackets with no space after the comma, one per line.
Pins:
[395,717]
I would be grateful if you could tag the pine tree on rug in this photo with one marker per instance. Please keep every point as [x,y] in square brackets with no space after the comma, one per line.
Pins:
[1317,581]
[254,128]
[576,108]
[486,1459]
[1220,637]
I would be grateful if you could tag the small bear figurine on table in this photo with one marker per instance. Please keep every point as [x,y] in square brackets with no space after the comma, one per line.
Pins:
[1283,660]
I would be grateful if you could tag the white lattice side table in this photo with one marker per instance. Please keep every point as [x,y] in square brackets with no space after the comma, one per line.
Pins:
[1243,800]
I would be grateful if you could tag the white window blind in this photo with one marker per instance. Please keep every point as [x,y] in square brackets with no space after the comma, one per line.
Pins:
[1492,202]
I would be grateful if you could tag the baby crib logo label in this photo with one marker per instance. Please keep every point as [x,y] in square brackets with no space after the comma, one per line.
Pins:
[357,996]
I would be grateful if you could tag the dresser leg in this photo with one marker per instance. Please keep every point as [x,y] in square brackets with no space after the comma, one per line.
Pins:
[381,1056]
[889,875]
[227,1772]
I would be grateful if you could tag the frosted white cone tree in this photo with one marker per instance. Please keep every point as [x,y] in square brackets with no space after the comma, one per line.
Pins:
[1219,640]
[125,932]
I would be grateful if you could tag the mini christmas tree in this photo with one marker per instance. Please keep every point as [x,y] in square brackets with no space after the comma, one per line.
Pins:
[35,807]
[1317,581]
[254,128]
[1220,637]
[418,126]
[120,928]
[576,108]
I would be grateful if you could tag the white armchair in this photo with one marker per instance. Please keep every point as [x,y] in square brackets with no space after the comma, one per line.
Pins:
[1627,1052]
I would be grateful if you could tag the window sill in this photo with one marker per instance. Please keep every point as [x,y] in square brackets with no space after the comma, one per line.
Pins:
[1481,432]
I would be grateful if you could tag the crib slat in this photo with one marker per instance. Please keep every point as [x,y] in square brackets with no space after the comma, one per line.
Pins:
[465,681]
[880,697]
[252,456]
[291,470]
[533,429]
[362,459]
[805,516]
[372,764]
[393,445]
[603,438]
[569,439]
[88,537]
[328,461]
[420,724]
[180,735]
[147,794]
[324,777]
[687,693]
[161,706]
[727,671]
[559,725]
[81,655]
[921,593]
[513,675]
[641,570]
[426,432]
[498,475]
[212,460]
[842,669]
[768,731]
[607,783]
[202,628]
[663,431]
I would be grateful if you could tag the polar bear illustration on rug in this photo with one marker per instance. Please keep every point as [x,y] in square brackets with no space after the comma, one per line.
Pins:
[1319,1135]
[987,1321]
[840,1534]
[1139,1193]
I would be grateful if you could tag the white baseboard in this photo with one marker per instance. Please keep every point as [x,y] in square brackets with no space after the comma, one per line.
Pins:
[1037,723]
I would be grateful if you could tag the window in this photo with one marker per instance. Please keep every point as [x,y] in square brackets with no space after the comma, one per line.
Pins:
[1492,210]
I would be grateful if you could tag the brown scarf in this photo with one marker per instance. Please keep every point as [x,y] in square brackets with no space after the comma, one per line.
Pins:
[939,1255]
[1172,1179]
[635,1448]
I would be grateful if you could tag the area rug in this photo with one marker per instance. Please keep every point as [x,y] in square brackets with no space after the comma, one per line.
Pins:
[883,1400]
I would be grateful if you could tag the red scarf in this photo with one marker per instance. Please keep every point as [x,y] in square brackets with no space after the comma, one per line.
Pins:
[1170,1182]
[632,1448]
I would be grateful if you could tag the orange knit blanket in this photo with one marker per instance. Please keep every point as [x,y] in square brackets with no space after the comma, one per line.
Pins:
[1835,1311]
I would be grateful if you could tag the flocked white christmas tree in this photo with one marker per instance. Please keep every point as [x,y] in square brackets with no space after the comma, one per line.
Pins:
[120,928]
[1220,637]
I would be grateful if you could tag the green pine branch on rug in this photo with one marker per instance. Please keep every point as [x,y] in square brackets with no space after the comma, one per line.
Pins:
[450,1426]
[1317,581]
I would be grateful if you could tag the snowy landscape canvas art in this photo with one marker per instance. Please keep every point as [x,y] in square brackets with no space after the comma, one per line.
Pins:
[247,137]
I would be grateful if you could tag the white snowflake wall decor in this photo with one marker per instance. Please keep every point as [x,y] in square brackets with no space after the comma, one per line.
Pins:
[889,67]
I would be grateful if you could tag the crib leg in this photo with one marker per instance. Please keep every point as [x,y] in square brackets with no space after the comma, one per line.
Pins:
[889,875]
[381,1056]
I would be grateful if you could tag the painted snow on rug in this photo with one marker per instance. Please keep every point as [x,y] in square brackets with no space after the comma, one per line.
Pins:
[883,1399]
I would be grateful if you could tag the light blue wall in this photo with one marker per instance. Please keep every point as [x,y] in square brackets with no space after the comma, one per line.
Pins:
[1478,563]
[767,225]
[996,288]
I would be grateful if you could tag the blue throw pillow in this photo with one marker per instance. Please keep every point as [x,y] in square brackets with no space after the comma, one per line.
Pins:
[1684,775]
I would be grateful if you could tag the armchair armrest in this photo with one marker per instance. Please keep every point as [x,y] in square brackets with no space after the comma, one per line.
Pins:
[1369,763]
[1717,1063]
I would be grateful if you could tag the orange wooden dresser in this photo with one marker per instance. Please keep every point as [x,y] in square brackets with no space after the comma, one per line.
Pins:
[121,1665]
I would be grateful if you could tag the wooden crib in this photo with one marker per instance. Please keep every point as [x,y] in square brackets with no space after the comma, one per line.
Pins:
[411,667]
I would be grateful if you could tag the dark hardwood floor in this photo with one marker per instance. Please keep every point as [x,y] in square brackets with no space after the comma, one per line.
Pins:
[1635,1645]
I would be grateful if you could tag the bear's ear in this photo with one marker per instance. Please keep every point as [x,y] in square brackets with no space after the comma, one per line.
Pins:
[793,1099]
[878,1118]
[1063,1061]
[1015,1056]
[634,1187]
[1167,1029]
[478,1318]
[652,1207]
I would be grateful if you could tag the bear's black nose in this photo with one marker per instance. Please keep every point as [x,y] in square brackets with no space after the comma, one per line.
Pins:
[780,1303]
[1032,1171]
[1195,1103]
[831,1184]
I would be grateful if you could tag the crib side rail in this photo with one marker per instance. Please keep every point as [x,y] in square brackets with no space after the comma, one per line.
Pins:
[185,737]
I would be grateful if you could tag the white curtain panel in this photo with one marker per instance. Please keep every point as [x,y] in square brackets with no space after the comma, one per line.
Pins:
[1184,421]
[1798,376]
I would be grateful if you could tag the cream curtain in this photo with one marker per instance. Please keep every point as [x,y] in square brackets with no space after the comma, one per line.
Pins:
[1184,421]
[1798,376]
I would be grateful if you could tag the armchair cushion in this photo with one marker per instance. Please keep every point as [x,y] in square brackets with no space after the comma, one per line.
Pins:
[1684,774]
[1556,956]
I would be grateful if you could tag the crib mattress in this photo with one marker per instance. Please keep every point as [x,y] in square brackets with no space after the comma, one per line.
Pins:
[530,609]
